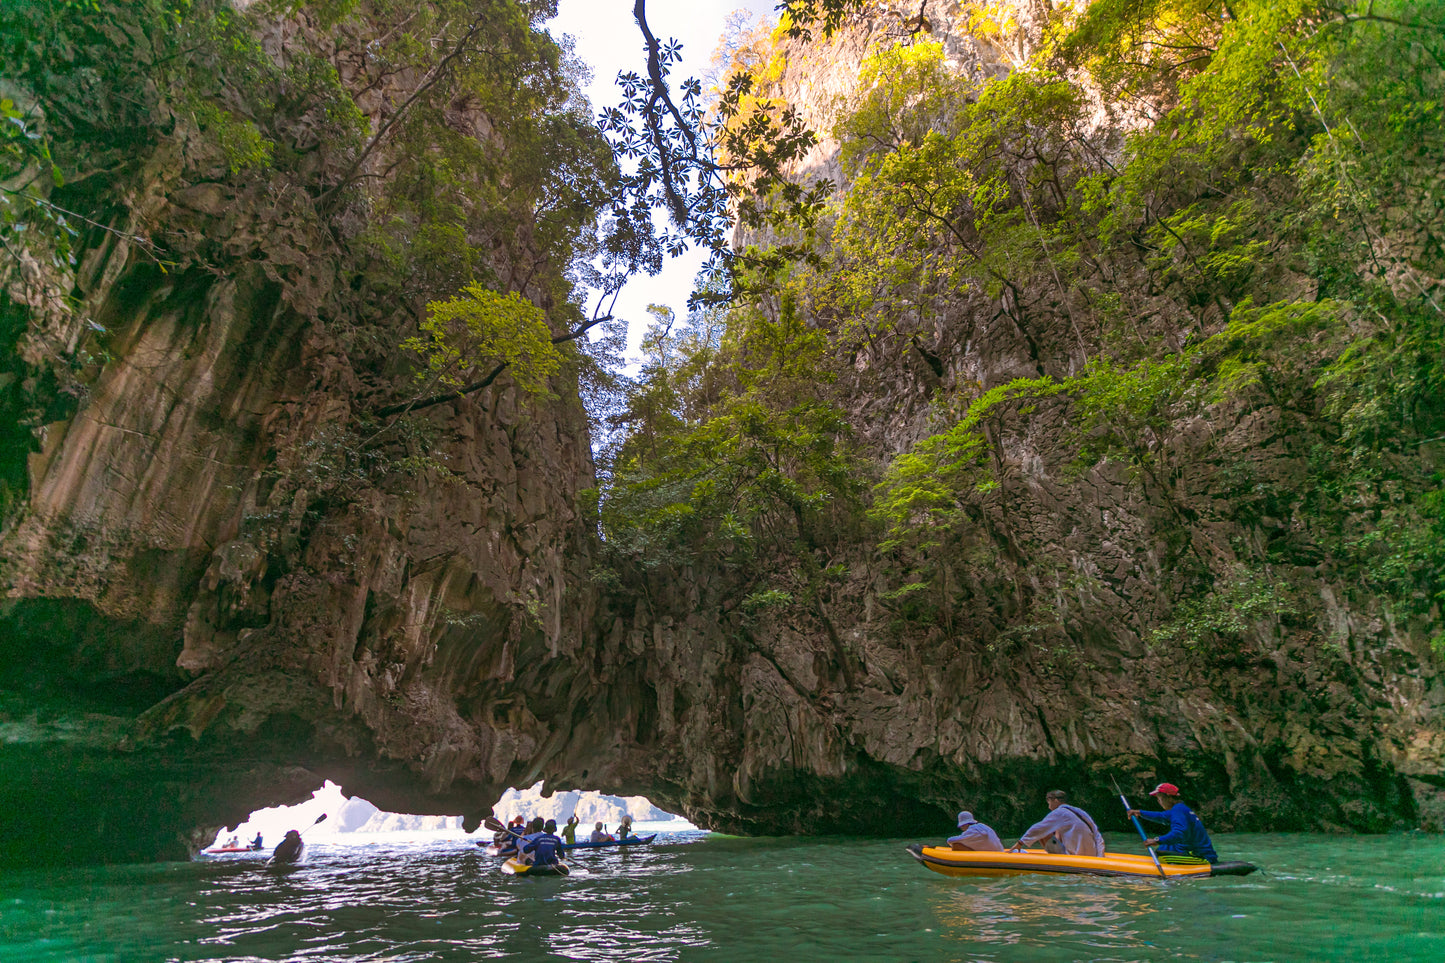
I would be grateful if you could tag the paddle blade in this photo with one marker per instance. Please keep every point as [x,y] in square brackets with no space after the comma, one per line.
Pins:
[564,870]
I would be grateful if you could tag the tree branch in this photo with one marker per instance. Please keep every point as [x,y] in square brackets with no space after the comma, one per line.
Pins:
[433,77]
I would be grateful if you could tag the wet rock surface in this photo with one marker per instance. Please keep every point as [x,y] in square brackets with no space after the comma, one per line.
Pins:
[201,620]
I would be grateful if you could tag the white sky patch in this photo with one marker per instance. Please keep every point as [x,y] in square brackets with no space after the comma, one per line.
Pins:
[609,40]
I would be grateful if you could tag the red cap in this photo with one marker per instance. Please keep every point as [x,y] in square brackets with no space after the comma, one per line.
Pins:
[1165,789]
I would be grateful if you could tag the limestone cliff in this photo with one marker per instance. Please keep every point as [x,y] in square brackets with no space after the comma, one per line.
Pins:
[832,680]
[226,578]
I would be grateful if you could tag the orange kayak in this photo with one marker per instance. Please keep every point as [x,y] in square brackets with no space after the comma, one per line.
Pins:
[955,862]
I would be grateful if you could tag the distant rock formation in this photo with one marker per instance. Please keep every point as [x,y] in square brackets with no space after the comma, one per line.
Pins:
[589,807]
[356,814]
[360,816]
[381,822]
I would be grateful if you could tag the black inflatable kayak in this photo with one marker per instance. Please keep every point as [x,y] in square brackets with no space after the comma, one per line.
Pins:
[610,843]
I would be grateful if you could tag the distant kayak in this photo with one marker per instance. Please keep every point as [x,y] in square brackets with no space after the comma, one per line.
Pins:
[492,849]
[221,850]
[952,862]
[629,841]
[515,867]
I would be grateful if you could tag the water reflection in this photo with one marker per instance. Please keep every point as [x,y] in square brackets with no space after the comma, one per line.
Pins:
[1326,898]
[1044,910]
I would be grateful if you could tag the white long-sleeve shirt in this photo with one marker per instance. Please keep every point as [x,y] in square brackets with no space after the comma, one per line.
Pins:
[976,836]
[1076,831]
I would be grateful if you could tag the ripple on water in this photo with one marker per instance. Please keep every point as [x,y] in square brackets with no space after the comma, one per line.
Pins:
[718,898]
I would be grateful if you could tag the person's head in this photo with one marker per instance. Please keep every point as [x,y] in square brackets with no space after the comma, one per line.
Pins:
[599,827]
[1166,793]
[965,818]
[1055,798]
[550,826]
[572,820]
[537,825]
[292,834]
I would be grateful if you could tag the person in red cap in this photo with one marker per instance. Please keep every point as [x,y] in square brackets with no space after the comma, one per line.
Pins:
[1186,837]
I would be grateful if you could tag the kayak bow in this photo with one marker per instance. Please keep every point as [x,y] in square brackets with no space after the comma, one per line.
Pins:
[955,862]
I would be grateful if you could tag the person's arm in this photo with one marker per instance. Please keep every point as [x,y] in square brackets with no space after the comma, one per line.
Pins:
[1042,829]
[1153,817]
[1177,832]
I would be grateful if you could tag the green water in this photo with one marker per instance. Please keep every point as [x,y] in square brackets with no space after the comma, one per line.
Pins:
[698,897]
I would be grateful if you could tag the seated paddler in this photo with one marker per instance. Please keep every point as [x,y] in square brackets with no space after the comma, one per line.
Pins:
[1067,830]
[544,848]
[1186,841]
[974,835]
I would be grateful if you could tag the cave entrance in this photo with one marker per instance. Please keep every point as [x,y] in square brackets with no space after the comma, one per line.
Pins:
[353,821]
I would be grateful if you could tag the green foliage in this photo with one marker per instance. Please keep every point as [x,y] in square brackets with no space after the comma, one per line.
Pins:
[927,488]
[1264,258]
[239,139]
[478,329]
[1237,603]
[733,446]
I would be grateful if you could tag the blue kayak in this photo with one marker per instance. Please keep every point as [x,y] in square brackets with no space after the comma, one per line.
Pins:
[607,844]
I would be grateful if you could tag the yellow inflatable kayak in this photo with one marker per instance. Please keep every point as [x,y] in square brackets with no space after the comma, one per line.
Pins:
[956,862]
[515,867]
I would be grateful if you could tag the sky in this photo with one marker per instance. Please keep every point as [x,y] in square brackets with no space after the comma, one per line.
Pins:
[609,40]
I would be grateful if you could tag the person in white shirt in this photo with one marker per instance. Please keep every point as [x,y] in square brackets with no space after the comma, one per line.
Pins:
[974,835]
[1066,829]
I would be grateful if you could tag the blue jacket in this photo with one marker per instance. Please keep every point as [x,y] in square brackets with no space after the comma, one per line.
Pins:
[1186,835]
[545,847]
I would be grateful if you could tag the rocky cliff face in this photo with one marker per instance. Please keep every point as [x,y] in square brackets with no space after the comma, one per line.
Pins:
[223,581]
[214,600]
[1029,655]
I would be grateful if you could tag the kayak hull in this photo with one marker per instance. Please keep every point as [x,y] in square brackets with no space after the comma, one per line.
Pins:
[612,843]
[513,867]
[951,862]
[226,850]
[492,849]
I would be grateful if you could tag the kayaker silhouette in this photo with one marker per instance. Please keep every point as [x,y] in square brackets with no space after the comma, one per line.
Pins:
[289,849]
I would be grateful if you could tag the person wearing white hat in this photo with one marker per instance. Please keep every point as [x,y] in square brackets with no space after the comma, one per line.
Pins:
[974,835]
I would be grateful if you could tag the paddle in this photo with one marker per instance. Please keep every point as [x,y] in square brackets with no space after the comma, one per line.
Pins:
[495,825]
[1143,836]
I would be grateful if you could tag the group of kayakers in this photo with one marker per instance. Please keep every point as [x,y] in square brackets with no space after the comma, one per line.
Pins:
[1070,831]
[234,843]
[537,842]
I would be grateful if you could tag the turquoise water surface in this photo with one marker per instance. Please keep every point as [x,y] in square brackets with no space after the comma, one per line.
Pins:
[694,896]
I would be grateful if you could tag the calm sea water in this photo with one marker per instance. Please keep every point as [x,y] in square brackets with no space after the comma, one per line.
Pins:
[693,896]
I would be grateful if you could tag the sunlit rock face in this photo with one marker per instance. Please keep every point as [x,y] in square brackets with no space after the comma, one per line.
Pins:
[221,585]
[201,620]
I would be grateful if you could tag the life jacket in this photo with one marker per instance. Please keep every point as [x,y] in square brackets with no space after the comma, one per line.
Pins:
[544,848]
